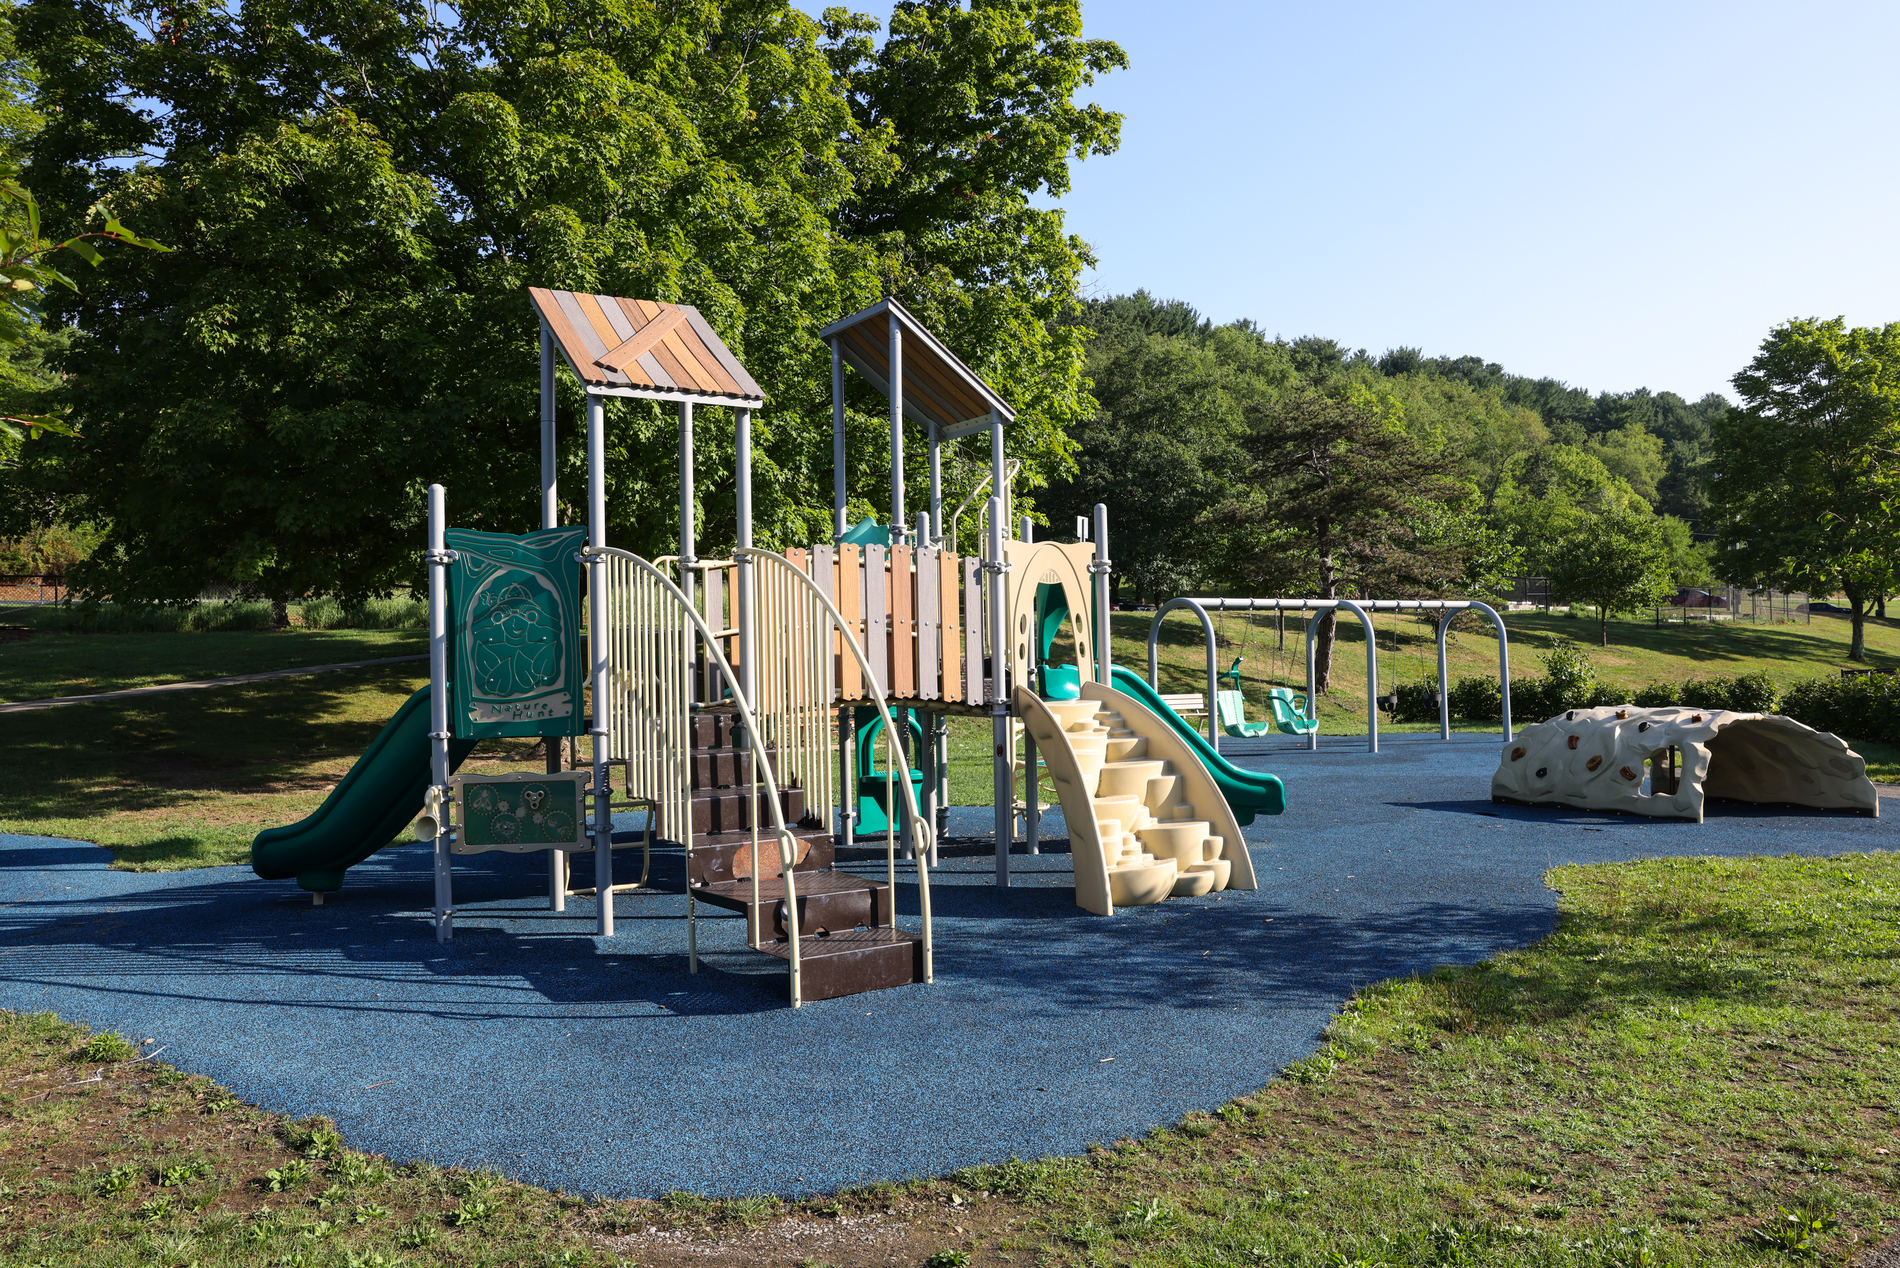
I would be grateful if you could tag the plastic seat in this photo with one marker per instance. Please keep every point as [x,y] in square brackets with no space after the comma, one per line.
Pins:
[1230,709]
[1289,712]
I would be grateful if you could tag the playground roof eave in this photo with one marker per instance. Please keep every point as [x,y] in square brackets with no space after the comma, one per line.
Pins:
[941,394]
[643,348]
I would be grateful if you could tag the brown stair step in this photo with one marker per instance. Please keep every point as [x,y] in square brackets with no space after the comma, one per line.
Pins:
[722,810]
[715,729]
[849,962]
[726,767]
[831,901]
[727,856]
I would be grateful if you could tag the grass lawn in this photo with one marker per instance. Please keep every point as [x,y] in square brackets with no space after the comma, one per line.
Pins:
[57,664]
[1697,1068]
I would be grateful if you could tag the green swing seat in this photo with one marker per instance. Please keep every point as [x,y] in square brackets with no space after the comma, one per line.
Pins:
[1230,708]
[1289,712]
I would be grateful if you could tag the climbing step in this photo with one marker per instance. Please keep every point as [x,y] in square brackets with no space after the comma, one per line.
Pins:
[849,962]
[831,901]
[727,856]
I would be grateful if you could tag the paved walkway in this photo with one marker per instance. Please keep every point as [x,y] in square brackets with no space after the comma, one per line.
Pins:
[601,1066]
[54,702]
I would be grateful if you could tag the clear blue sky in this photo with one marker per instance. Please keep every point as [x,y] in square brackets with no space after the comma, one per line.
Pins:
[1617,195]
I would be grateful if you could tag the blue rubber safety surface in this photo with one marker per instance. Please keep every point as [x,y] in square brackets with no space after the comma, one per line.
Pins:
[601,1066]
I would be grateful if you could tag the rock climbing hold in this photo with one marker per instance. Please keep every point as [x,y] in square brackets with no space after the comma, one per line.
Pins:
[1574,739]
[1542,771]
[1571,716]
[1622,713]
[1642,726]
[1696,718]
[1627,773]
[1516,753]
[1594,762]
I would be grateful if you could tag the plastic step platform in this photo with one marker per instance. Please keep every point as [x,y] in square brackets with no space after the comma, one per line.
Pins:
[850,962]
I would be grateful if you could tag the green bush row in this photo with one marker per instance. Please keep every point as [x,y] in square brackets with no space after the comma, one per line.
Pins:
[403,612]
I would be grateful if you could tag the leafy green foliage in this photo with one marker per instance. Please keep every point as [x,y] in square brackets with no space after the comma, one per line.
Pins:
[108,1046]
[1616,560]
[360,198]
[1804,480]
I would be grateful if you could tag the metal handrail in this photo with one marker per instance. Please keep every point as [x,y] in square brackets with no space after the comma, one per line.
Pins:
[1154,662]
[759,759]
[924,831]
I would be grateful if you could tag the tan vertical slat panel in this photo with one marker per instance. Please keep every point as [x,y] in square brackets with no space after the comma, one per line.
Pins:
[973,631]
[851,606]
[950,602]
[903,622]
[824,571]
[877,609]
[929,619]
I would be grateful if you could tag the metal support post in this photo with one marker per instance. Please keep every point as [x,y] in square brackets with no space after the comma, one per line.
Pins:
[551,518]
[438,559]
[1003,783]
[742,478]
[837,443]
[897,430]
[1100,566]
[935,536]
[603,833]
[1032,811]
[847,774]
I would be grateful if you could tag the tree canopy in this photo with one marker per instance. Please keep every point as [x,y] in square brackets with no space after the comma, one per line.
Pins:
[359,197]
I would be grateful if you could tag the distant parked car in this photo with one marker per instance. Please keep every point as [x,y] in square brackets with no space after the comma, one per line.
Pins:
[1690,597]
[1819,605]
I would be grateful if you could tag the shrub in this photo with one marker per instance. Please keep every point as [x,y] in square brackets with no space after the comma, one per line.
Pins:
[1860,708]
[1477,698]
[1417,702]
[1753,693]
[1569,676]
[401,612]
[108,1046]
[1658,695]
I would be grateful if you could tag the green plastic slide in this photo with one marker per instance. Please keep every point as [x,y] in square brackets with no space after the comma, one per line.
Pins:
[364,812]
[1248,792]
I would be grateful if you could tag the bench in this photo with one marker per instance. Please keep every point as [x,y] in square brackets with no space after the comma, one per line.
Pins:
[1189,704]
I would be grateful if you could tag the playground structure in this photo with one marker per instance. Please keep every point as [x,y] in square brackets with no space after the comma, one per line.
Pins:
[1307,721]
[724,690]
[1597,759]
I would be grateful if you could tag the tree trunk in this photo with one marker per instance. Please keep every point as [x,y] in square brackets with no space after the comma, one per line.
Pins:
[1857,603]
[1603,626]
[1328,621]
[1880,606]
[280,614]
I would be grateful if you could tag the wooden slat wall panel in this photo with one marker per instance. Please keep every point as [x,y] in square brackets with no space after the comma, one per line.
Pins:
[929,621]
[972,631]
[850,600]
[877,607]
[903,622]
[950,604]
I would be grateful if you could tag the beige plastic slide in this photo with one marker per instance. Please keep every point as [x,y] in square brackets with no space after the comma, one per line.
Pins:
[1146,822]
[1595,759]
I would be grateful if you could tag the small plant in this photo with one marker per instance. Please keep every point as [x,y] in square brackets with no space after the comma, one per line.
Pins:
[107,1047]
[948,1259]
[288,1176]
[157,1208]
[313,1138]
[1793,1232]
[180,1174]
[118,1180]
[419,1236]
[1316,1069]
[1153,1214]
[473,1210]
[370,1211]
[1230,1113]
[359,1170]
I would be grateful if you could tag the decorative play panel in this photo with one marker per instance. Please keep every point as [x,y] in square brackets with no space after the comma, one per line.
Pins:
[518,813]
[515,642]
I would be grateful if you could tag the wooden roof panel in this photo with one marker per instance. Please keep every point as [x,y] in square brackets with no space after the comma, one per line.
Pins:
[643,346]
[938,387]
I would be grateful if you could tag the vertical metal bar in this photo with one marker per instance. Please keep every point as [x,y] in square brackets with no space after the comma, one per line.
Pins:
[1444,691]
[688,541]
[1504,666]
[1103,673]
[1002,781]
[597,636]
[1372,675]
[837,443]
[551,518]
[1032,812]
[994,508]
[847,803]
[439,708]
[742,479]
[897,429]
[934,536]
[1312,679]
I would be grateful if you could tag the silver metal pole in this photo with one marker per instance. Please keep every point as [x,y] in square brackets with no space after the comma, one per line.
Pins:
[603,832]
[551,518]
[897,430]
[1100,567]
[1372,675]
[847,772]
[1312,677]
[688,543]
[837,443]
[998,477]
[1002,782]
[1444,692]
[935,536]
[1032,811]
[1027,530]
[742,480]
[1504,665]
[438,560]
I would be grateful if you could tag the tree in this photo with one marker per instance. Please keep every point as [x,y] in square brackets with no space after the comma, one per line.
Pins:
[359,198]
[1617,560]
[1805,484]
[1337,494]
